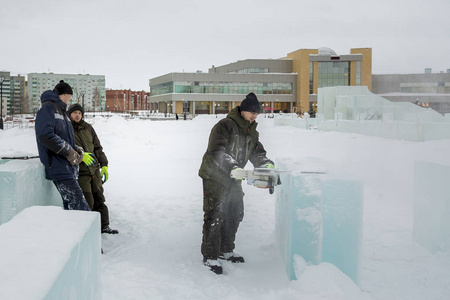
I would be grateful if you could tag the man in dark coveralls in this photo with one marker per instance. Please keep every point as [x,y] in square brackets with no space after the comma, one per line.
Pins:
[232,143]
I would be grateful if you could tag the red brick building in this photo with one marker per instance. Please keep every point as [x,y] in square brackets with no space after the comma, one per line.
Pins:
[126,100]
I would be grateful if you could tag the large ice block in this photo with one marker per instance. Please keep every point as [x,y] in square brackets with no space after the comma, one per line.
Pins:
[431,227]
[299,219]
[319,218]
[342,213]
[50,253]
[23,184]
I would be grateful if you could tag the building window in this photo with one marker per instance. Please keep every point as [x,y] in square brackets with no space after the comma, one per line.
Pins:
[276,88]
[165,88]
[334,74]
[358,73]
[203,105]
[250,71]
[311,77]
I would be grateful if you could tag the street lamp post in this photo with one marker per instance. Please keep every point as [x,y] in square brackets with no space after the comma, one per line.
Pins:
[1,101]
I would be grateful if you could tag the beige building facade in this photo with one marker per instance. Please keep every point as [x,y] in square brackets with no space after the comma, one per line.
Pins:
[288,84]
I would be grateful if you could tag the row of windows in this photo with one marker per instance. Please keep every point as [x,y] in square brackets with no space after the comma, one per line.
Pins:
[205,105]
[333,74]
[229,90]
[250,71]
[358,73]
[221,88]
[426,89]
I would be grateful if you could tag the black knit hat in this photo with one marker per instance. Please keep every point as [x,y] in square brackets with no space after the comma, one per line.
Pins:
[75,107]
[251,104]
[63,88]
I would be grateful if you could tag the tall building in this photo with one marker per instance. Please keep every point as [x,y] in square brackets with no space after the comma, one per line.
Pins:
[5,93]
[288,84]
[17,99]
[88,90]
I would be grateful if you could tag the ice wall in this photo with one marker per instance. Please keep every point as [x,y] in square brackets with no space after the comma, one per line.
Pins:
[342,222]
[431,226]
[355,109]
[23,184]
[50,253]
[319,218]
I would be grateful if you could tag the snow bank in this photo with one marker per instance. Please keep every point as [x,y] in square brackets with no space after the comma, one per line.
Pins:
[50,253]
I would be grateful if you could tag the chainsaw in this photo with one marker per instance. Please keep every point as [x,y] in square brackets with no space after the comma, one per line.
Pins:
[264,177]
[259,177]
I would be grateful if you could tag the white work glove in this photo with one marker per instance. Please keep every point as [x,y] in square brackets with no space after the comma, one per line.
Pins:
[238,173]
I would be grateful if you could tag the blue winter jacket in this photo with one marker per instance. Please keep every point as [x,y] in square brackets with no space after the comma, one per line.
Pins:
[55,138]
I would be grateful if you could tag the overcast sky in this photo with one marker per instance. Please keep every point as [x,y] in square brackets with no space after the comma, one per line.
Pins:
[131,41]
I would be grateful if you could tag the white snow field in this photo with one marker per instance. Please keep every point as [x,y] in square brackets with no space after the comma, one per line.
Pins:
[155,200]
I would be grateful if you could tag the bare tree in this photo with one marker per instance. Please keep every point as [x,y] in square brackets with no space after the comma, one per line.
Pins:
[96,99]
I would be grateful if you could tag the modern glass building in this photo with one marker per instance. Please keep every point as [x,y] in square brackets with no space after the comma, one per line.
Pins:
[317,68]
[222,88]
[288,84]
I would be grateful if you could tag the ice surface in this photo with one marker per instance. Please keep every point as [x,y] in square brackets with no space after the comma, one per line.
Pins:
[342,211]
[298,219]
[23,184]
[432,206]
[50,253]
[319,218]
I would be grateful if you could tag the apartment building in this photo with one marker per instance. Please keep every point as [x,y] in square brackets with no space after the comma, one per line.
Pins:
[88,90]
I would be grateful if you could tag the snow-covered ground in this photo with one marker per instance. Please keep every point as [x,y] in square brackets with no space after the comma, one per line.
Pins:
[155,199]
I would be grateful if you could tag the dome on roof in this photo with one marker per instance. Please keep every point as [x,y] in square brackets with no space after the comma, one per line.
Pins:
[326,51]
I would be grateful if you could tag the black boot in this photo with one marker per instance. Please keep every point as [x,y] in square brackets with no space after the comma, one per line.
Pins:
[231,256]
[213,265]
[109,230]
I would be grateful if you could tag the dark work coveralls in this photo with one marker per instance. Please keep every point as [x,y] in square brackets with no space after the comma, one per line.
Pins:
[89,177]
[232,143]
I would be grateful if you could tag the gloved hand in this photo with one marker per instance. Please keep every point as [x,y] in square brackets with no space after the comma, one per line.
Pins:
[74,157]
[88,158]
[79,150]
[268,166]
[104,172]
[237,173]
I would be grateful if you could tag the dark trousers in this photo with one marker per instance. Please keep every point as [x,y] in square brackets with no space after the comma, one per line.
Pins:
[71,194]
[223,208]
[92,188]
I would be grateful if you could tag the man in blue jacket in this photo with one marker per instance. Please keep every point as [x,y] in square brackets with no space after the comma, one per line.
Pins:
[56,145]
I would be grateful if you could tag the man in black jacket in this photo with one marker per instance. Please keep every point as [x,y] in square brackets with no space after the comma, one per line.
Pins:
[232,143]
[90,177]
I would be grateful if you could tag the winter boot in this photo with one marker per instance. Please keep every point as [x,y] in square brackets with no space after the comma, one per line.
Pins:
[231,256]
[109,230]
[213,265]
